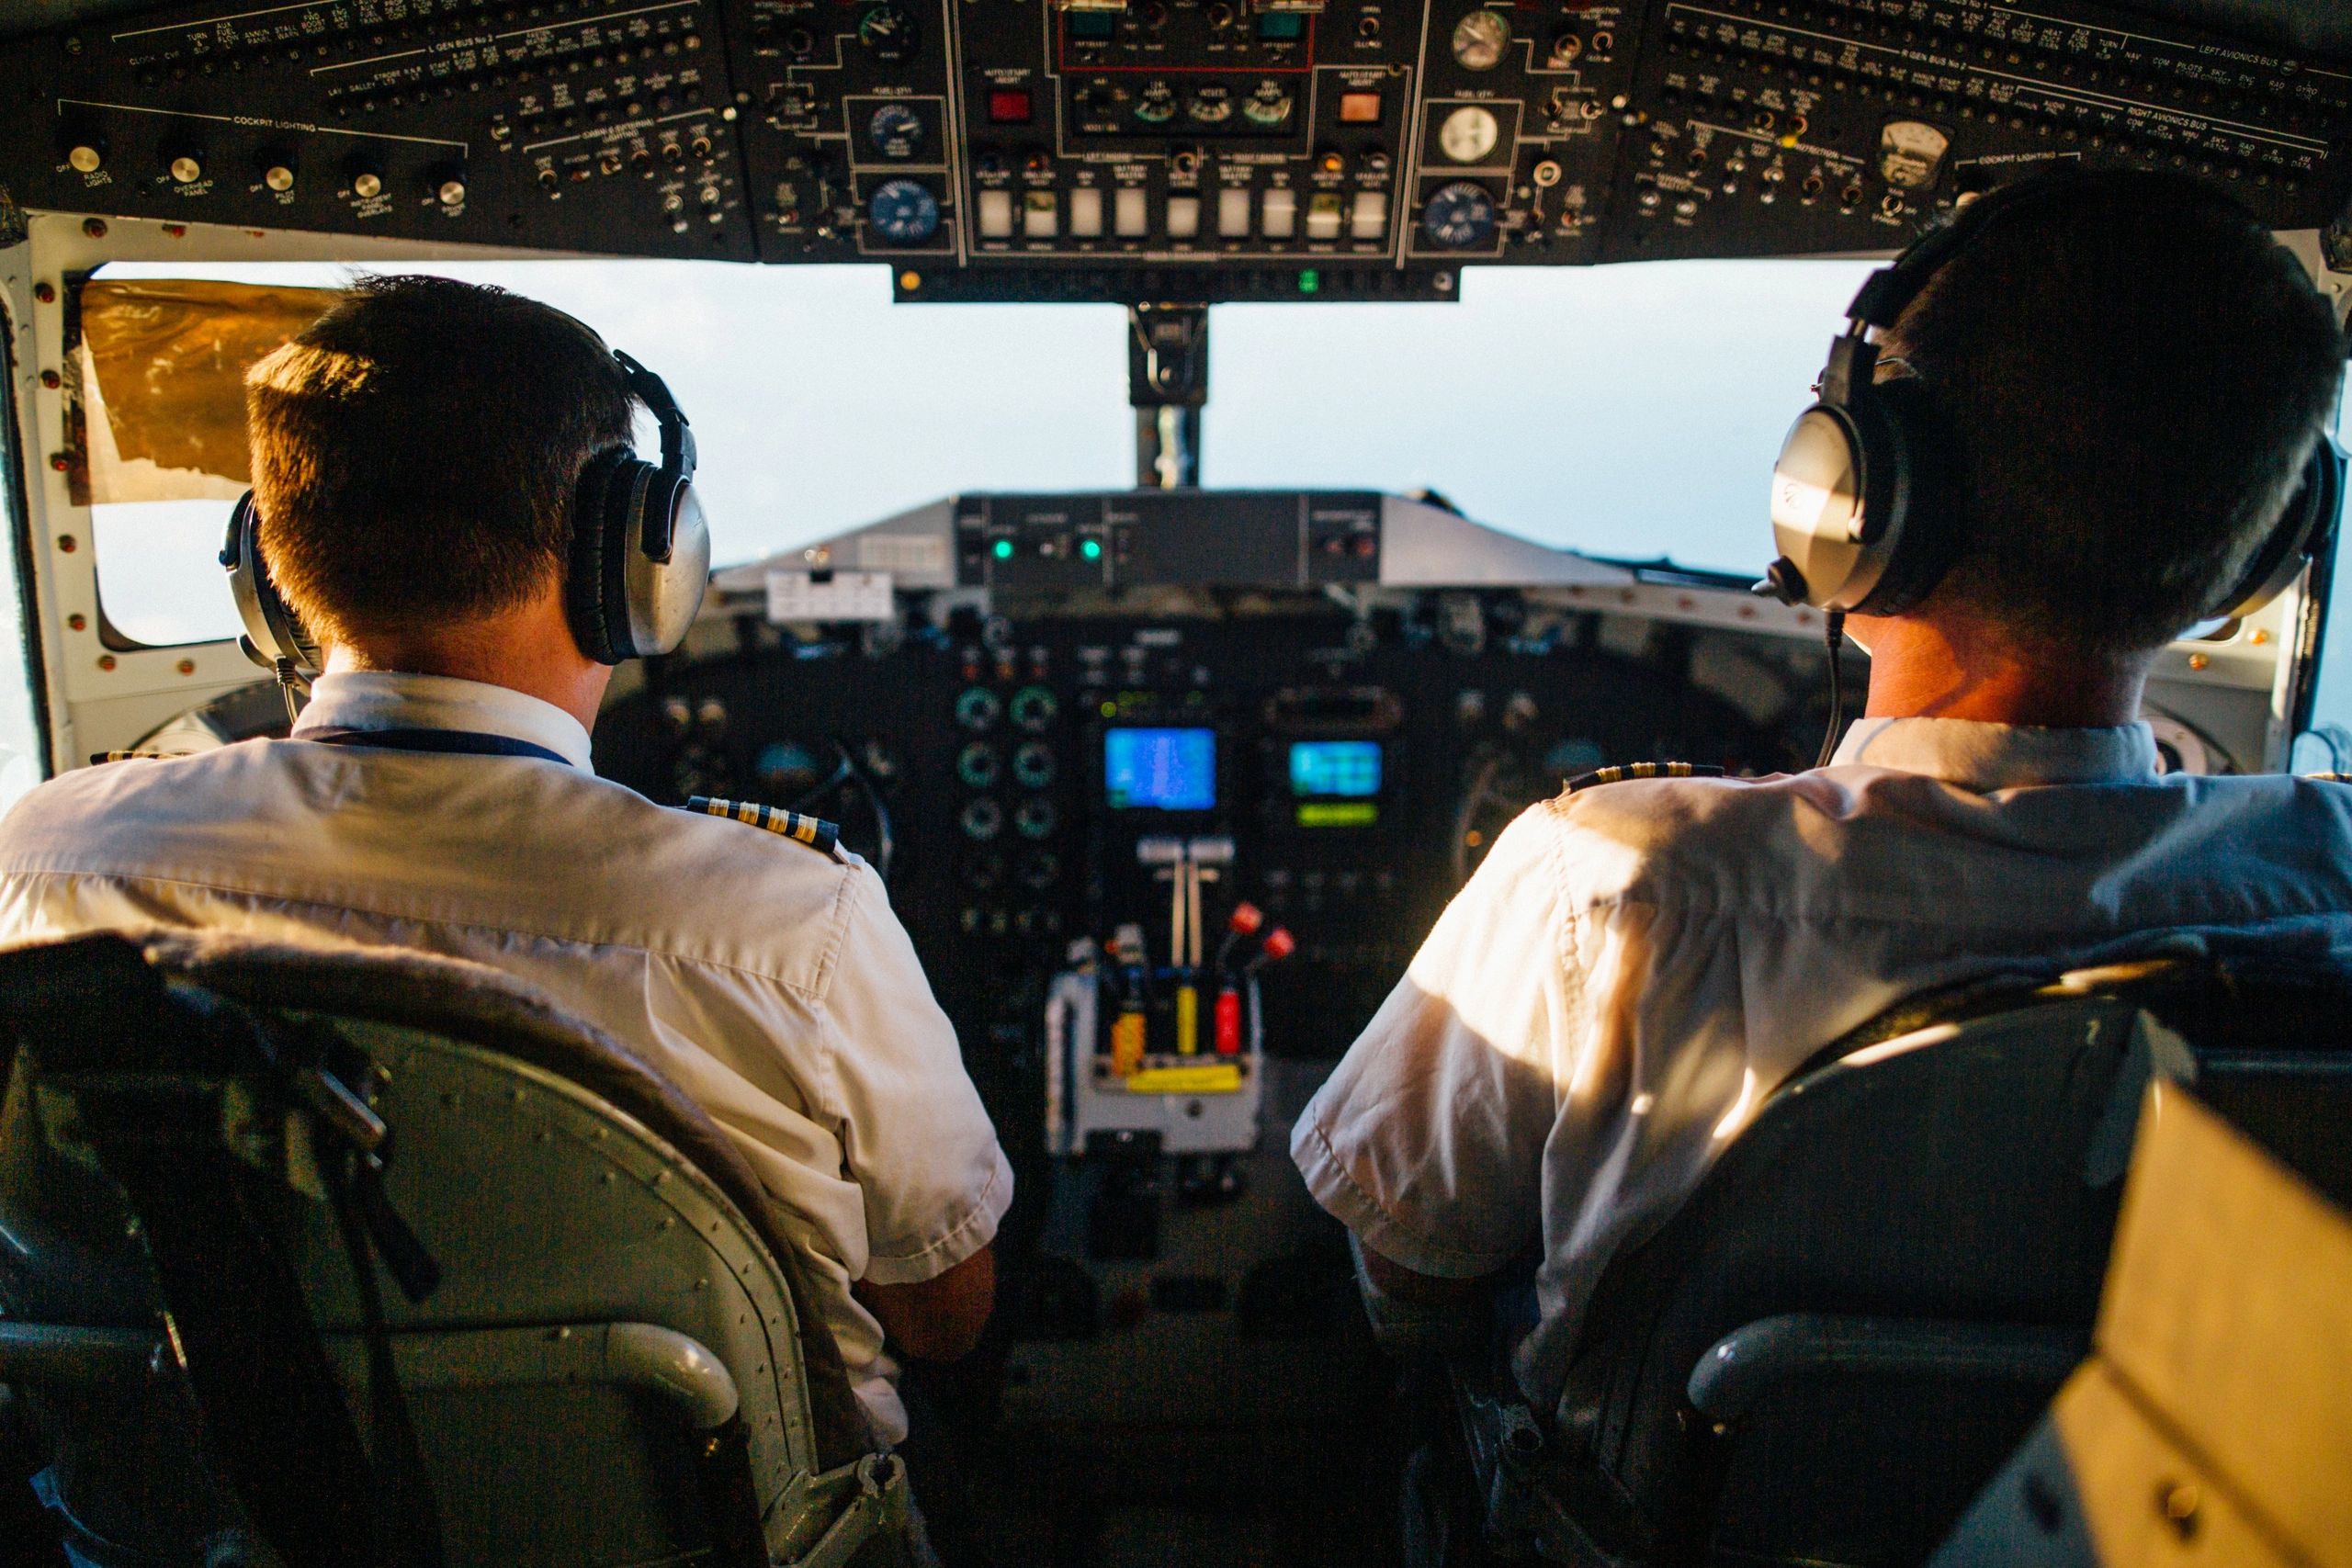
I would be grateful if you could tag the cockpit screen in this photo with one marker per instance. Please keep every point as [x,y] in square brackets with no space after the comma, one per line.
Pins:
[1164,770]
[1347,769]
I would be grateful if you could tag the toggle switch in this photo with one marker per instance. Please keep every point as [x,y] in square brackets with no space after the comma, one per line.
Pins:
[1278,214]
[1233,212]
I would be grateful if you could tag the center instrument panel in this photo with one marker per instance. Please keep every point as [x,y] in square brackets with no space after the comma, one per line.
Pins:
[1142,149]
[1048,692]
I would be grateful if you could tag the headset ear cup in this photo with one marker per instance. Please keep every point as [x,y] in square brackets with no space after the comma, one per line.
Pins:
[585,603]
[1918,486]
[274,633]
[2302,531]
[625,505]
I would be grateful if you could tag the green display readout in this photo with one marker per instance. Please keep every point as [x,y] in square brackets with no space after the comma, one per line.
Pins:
[1338,813]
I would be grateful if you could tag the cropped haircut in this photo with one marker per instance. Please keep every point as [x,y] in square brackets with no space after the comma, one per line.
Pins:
[415,452]
[2132,373]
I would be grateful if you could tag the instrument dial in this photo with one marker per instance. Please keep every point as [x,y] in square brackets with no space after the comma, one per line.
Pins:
[895,131]
[903,212]
[1459,215]
[1479,40]
[1911,153]
[1468,134]
[889,31]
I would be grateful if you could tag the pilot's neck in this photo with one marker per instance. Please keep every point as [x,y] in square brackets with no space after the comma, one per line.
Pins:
[528,649]
[1924,667]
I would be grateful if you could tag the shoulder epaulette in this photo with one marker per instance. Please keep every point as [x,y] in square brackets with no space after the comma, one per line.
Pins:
[100,758]
[2329,778]
[814,831]
[1623,771]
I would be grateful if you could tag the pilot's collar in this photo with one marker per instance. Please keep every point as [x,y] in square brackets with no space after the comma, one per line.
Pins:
[1983,757]
[374,699]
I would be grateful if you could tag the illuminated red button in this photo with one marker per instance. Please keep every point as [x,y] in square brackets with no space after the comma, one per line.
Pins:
[1009,106]
[1359,109]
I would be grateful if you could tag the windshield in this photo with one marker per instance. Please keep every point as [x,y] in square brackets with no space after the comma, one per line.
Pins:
[1625,411]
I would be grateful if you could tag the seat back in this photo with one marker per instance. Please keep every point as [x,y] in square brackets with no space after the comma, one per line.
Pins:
[1878,1287]
[619,1363]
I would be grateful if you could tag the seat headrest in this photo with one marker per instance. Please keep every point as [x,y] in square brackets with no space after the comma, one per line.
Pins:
[106,981]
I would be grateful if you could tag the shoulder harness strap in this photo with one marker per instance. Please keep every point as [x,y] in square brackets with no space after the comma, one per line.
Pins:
[1623,771]
[814,831]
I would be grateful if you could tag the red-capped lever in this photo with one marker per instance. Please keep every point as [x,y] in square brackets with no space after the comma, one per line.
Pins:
[1279,944]
[1239,926]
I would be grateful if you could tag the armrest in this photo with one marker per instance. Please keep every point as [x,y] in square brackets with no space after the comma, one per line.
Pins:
[641,1357]
[1742,1367]
[44,1355]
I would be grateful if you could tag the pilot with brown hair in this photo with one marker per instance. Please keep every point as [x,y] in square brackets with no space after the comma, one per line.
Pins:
[429,461]
[2121,381]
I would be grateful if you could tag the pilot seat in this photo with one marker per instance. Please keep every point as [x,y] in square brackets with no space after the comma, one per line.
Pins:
[348,1256]
[1823,1357]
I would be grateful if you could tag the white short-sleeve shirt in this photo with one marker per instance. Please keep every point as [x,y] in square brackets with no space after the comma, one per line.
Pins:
[1634,966]
[767,980]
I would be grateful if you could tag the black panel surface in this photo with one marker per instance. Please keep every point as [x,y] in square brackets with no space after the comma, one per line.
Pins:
[1193,150]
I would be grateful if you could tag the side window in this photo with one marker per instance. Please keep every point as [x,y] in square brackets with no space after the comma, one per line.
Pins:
[162,365]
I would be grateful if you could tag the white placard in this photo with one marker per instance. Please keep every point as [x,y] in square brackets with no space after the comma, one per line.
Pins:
[829,596]
[913,554]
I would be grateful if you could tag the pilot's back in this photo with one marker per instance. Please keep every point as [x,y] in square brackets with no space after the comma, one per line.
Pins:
[535,847]
[765,977]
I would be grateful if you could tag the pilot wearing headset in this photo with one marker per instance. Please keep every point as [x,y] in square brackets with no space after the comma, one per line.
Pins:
[450,530]
[2090,412]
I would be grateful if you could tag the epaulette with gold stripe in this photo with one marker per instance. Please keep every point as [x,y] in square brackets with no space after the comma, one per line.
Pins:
[814,831]
[1621,771]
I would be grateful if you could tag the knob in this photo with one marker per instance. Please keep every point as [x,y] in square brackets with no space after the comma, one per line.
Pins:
[1034,707]
[276,167]
[981,818]
[87,155]
[1033,764]
[977,708]
[448,187]
[184,164]
[367,178]
[977,764]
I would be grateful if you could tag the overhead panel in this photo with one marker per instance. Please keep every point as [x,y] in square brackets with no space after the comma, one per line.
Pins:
[1144,149]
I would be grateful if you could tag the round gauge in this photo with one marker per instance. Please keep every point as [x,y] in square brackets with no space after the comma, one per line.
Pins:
[1156,104]
[1268,105]
[1468,134]
[903,212]
[889,31]
[1911,153]
[1459,215]
[895,131]
[1479,40]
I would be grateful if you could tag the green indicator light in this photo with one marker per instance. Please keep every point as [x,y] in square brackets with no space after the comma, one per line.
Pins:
[1004,549]
[1309,281]
[1109,710]
[1091,548]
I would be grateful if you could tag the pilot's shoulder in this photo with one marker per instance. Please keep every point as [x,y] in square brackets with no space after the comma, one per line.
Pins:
[813,833]
[1610,832]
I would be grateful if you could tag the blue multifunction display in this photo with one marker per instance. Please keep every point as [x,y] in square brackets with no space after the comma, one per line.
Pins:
[1164,770]
[1348,769]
